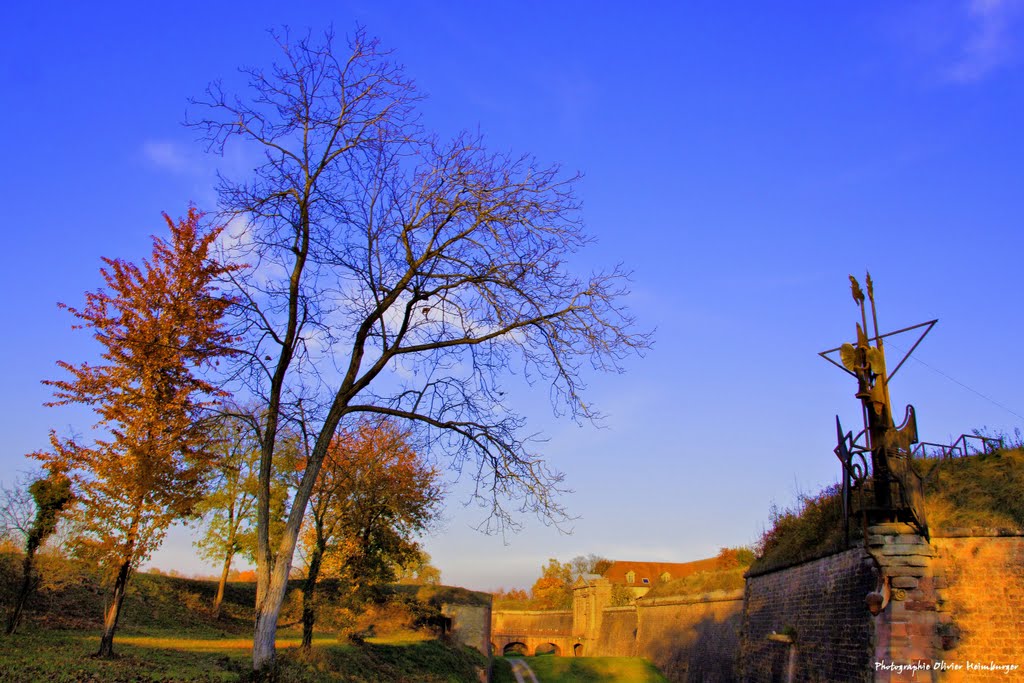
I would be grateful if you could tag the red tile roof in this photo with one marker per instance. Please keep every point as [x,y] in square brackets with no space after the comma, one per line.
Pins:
[653,570]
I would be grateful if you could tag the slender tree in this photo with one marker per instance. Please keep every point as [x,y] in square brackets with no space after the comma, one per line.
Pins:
[159,325]
[51,495]
[374,495]
[227,512]
[398,274]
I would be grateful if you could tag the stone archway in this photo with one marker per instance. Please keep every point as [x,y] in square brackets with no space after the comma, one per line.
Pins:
[515,649]
[545,649]
[577,650]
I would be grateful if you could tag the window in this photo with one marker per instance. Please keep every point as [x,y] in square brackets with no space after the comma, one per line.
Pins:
[666,577]
[647,580]
[630,577]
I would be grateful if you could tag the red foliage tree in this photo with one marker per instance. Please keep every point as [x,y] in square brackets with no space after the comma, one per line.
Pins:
[159,324]
[374,495]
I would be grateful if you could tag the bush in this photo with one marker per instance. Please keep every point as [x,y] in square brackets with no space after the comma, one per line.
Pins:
[978,491]
[811,529]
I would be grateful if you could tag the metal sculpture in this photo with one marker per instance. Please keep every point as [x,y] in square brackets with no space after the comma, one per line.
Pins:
[876,463]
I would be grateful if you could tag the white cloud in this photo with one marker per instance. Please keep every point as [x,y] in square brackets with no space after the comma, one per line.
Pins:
[991,41]
[165,155]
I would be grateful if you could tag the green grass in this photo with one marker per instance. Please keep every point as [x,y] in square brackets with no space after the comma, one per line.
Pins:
[169,634]
[204,656]
[58,656]
[593,669]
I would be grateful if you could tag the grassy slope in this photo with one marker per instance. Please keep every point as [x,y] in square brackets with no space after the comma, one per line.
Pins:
[701,582]
[147,656]
[167,634]
[982,491]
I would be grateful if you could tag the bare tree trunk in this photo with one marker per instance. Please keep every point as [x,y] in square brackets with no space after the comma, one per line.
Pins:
[114,611]
[269,600]
[309,597]
[29,581]
[264,654]
[223,582]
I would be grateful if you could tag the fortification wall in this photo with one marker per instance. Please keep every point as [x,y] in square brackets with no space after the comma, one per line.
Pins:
[819,605]
[617,635]
[532,622]
[470,625]
[979,582]
[693,637]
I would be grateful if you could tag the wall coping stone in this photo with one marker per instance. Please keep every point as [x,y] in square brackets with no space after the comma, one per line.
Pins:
[890,528]
[975,532]
[751,573]
[693,599]
[539,612]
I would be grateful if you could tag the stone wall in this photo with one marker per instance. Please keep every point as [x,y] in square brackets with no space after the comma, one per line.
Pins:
[811,617]
[617,635]
[979,582]
[692,637]
[948,609]
[470,625]
[532,629]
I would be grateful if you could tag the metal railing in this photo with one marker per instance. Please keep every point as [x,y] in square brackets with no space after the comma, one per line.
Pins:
[960,448]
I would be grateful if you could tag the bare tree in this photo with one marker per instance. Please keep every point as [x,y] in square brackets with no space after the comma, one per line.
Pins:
[394,273]
[17,509]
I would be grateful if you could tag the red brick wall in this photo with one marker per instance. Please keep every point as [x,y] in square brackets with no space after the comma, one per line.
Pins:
[821,604]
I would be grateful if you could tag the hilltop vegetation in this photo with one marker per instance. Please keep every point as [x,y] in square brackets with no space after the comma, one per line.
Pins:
[731,565]
[977,492]
[981,491]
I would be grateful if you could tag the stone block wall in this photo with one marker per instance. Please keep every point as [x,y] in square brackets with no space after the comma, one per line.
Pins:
[692,637]
[811,617]
[532,622]
[617,635]
[979,589]
[470,625]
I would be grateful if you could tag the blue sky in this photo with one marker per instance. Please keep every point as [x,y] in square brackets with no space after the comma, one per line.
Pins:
[741,159]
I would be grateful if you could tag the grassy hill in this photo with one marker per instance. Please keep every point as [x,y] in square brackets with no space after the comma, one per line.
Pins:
[168,633]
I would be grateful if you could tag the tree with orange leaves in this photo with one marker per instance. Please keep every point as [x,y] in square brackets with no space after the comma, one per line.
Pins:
[159,325]
[375,493]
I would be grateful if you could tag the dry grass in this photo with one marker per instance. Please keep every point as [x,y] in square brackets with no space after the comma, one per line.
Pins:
[976,492]
[981,491]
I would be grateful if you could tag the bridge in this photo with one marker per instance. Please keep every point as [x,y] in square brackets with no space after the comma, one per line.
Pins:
[534,632]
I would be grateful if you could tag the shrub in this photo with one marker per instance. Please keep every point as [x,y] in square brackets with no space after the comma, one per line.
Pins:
[812,528]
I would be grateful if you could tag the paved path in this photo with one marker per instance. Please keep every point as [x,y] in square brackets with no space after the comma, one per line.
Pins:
[522,671]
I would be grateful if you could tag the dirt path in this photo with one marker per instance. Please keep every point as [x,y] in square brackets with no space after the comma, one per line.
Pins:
[522,671]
